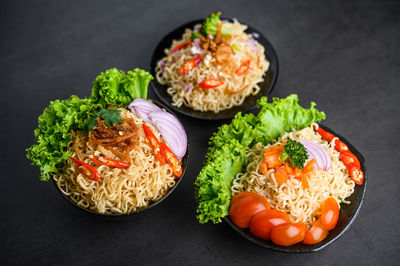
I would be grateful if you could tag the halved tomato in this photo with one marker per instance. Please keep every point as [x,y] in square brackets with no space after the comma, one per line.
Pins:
[263,222]
[316,234]
[329,213]
[244,205]
[288,234]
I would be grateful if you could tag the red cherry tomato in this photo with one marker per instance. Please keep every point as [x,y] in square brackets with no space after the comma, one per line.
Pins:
[316,234]
[329,213]
[243,207]
[288,234]
[263,222]
[349,158]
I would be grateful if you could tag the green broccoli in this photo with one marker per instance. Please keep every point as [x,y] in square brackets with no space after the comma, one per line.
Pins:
[209,26]
[295,153]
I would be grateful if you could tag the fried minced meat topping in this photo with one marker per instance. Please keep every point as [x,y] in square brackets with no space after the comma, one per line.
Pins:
[120,139]
[220,49]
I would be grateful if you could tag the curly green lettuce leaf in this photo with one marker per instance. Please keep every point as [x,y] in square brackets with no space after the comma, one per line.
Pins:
[52,135]
[115,88]
[226,155]
[213,185]
[283,115]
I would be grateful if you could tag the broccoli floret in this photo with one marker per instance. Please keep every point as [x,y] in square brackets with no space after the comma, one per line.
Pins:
[295,153]
[210,25]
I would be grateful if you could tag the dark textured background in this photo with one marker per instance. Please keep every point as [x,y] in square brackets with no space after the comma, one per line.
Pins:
[344,56]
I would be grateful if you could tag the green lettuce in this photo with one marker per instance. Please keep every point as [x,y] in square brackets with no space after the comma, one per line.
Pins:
[113,88]
[227,152]
[52,135]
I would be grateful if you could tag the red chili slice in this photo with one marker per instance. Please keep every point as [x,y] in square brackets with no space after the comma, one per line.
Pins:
[189,65]
[243,68]
[348,158]
[171,159]
[210,83]
[324,134]
[154,144]
[109,162]
[86,170]
[180,46]
[356,174]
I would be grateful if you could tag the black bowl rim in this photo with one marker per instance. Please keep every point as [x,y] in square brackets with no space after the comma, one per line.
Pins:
[195,113]
[317,247]
[185,159]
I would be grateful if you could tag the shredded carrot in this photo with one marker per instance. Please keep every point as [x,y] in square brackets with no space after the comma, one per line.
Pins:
[309,166]
[281,176]
[275,148]
[297,172]
[304,181]
[288,169]
[272,160]
[264,168]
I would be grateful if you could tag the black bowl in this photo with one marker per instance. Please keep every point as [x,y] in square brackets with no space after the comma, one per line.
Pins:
[184,162]
[250,102]
[347,214]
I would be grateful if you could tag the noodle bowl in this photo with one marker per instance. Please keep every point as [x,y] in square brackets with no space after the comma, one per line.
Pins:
[302,205]
[185,90]
[119,190]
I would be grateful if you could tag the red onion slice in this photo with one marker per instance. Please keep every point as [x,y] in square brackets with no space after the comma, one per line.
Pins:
[317,152]
[169,126]
[144,105]
[172,131]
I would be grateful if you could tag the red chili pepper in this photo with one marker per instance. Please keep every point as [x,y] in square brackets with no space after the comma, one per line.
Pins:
[154,144]
[189,65]
[348,158]
[210,83]
[172,160]
[109,162]
[356,174]
[86,170]
[180,46]
[340,146]
[326,135]
[243,68]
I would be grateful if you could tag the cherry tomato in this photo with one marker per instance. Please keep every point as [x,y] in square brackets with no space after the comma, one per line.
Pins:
[329,213]
[316,234]
[247,194]
[263,222]
[356,174]
[349,158]
[288,234]
[243,207]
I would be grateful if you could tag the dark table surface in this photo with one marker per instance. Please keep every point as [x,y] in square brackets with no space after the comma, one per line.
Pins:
[344,56]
